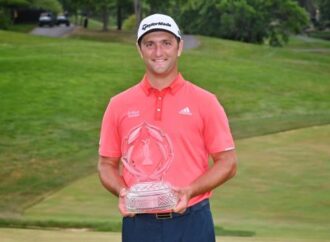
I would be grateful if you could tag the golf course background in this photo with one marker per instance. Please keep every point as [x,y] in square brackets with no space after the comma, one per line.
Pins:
[53,95]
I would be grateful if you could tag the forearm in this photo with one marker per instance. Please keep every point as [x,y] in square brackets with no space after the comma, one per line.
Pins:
[109,175]
[222,170]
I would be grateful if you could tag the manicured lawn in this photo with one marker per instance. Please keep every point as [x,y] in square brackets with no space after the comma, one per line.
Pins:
[19,235]
[280,191]
[53,93]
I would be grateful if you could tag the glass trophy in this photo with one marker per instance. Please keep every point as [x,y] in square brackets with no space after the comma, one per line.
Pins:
[147,155]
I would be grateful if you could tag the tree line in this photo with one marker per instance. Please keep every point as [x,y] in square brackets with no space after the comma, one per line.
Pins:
[253,21]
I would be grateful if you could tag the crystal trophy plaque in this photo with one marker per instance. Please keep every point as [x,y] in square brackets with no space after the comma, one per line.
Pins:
[147,155]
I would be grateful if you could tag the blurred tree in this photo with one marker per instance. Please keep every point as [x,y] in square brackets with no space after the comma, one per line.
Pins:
[138,11]
[324,8]
[200,17]
[158,6]
[254,21]
[284,17]
[130,23]
[125,8]
[241,21]
[312,9]
[51,5]
[8,8]
[71,6]
[101,8]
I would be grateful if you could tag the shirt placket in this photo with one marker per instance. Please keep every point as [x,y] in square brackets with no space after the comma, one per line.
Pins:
[159,104]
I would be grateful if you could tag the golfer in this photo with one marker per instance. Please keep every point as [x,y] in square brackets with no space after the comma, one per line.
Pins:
[195,124]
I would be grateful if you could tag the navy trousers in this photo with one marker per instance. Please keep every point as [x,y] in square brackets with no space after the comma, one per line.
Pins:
[195,225]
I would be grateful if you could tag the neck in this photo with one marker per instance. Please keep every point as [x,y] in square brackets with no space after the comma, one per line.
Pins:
[161,81]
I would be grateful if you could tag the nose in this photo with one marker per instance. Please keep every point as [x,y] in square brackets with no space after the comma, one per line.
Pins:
[158,50]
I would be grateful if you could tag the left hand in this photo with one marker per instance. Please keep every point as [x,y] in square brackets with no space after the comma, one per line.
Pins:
[121,204]
[184,195]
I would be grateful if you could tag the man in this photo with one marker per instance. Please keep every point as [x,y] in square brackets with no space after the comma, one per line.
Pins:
[194,122]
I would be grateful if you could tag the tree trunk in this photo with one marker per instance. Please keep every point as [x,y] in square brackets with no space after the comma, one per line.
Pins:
[138,12]
[105,19]
[119,17]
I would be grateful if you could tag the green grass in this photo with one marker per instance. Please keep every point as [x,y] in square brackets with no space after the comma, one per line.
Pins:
[52,96]
[23,28]
[320,34]
[96,34]
[19,235]
[281,191]
[53,93]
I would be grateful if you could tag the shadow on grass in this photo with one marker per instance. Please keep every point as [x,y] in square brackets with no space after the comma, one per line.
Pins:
[238,233]
[90,225]
[97,226]
[246,128]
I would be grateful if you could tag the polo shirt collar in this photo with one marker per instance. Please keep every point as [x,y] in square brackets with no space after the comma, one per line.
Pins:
[176,84]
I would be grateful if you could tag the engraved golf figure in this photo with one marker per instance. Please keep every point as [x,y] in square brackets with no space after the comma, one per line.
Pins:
[146,152]
[147,155]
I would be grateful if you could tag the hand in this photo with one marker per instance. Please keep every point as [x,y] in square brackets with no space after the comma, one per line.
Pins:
[121,204]
[184,195]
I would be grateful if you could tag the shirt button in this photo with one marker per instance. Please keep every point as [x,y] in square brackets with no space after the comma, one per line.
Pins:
[159,98]
[158,109]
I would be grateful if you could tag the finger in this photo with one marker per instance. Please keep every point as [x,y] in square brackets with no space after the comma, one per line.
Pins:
[176,189]
[180,207]
[123,192]
[123,211]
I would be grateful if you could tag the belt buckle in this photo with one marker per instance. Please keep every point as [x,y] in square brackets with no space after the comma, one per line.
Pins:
[164,215]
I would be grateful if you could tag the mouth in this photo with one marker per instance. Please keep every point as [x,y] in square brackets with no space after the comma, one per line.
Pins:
[159,60]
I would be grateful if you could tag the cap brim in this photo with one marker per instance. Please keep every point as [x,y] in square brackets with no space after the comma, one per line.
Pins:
[154,30]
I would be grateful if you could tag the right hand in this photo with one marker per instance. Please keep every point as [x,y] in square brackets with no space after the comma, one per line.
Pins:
[121,204]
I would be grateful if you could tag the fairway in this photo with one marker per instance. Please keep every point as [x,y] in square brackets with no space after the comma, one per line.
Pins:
[280,191]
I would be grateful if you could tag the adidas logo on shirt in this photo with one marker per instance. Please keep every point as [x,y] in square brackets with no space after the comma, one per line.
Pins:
[185,111]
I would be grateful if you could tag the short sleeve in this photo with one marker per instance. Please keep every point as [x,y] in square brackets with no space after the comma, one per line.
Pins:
[110,143]
[217,134]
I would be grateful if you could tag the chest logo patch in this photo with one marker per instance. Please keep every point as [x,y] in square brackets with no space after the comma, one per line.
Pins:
[185,111]
[133,114]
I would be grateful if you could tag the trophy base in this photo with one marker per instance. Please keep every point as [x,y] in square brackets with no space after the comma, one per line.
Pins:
[149,197]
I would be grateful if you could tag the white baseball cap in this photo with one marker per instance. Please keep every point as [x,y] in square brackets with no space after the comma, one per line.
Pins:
[158,22]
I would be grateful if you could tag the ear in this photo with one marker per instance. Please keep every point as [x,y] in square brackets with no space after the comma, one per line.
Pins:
[180,48]
[139,49]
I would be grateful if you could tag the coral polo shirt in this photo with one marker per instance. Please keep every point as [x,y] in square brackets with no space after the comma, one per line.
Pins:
[189,118]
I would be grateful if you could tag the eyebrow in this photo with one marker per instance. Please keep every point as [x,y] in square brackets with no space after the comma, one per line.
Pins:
[144,41]
[162,40]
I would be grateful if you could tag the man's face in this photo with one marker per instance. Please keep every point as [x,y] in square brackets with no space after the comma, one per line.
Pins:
[160,51]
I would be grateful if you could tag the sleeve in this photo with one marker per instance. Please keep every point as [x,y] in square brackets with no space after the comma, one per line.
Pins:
[217,134]
[110,142]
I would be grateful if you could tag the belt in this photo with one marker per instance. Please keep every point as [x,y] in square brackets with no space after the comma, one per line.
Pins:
[170,215]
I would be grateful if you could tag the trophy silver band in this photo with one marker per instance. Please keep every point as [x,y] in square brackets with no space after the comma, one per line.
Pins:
[147,155]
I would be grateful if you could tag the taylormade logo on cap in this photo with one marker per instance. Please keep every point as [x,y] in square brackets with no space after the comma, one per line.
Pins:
[145,26]
[158,22]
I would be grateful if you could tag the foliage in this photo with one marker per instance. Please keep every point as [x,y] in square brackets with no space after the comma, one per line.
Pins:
[14,3]
[5,11]
[50,5]
[7,6]
[4,18]
[241,21]
[252,21]
[324,7]
[130,23]
[285,18]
